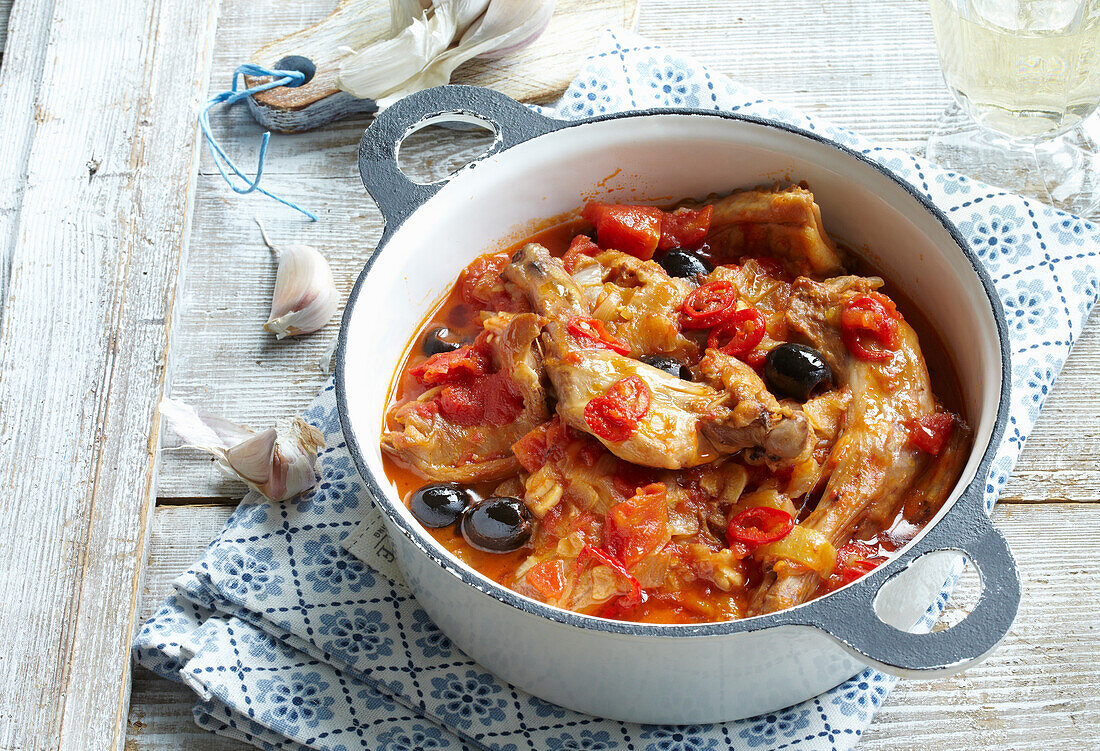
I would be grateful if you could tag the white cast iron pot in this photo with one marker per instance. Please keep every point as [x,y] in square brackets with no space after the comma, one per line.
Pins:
[540,168]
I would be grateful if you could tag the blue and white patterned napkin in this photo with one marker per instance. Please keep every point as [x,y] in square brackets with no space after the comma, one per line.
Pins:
[292,643]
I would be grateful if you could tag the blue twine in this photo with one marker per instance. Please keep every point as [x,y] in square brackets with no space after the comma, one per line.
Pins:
[234,95]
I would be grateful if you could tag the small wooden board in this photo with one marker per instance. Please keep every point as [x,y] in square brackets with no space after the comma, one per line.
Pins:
[536,73]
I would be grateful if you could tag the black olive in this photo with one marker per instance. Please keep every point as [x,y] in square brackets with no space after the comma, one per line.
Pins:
[796,371]
[684,264]
[497,525]
[439,505]
[438,340]
[670,366]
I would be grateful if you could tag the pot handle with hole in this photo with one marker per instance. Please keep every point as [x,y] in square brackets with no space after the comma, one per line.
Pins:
[849,615]
[397,196]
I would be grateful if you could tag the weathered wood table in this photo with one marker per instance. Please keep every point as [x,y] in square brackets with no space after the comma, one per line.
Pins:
[128,271]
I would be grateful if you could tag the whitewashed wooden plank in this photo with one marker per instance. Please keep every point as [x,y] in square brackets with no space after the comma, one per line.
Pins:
[160,719]
[1040,685]
[95,247]
[21,58]
[869,66]
[5,12]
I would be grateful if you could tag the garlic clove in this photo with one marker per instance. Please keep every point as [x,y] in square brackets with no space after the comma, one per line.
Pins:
[278,462]
[253,457]
[294,458]
[305,296]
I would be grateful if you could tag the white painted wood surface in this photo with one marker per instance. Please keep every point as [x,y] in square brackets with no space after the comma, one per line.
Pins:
[5,11]
[97,169]
[79,376]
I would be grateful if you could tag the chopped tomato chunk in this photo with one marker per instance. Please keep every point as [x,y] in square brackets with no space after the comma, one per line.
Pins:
[853,560]
[930,433]
[530,451]
[483,400]
[458,403]
[481,279]
[544,443]
[615,414]
[632,229]
[548,578]
[638,526]
[582,245]
[684,228]
[448,367]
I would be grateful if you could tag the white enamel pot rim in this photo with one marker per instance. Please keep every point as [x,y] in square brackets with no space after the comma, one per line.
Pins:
[847,615]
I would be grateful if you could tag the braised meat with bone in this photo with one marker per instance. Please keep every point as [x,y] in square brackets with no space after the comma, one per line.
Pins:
[694,415]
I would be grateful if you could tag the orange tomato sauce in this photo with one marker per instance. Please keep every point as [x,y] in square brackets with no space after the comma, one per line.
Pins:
[696,601]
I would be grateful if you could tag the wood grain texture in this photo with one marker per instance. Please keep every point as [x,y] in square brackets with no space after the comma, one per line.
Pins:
[5,12]
[537,72]
[26,38]
[95,241]
[1038,689]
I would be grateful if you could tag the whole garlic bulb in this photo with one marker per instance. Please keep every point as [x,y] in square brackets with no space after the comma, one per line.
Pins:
[305,297]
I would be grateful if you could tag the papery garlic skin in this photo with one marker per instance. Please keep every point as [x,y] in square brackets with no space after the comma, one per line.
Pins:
[418,58]
[381,68]
[507,24]
[305,296]
[278,463]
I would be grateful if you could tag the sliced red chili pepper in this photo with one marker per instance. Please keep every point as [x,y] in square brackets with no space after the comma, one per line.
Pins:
[632,229]
[684,227]
[636,596]
[856,568]
[759,525]
[708,305]
[592,330]
[745,329]
[853,560]
[582,245]
[930,433]
[615,414]
[867,319]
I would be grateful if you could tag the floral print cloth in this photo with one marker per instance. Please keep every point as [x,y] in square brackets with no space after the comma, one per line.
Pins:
[290,642]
